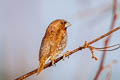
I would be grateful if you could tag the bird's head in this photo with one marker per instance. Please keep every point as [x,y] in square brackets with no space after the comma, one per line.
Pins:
[61,23]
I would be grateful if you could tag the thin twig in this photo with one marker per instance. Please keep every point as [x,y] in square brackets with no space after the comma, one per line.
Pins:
[107,41]
[68,54]
[107,48]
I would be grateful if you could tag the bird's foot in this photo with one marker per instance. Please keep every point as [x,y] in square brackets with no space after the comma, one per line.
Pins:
[53,61]
[64,55]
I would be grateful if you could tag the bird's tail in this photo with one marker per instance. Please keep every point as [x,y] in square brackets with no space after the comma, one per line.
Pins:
[41,67]
[42,64]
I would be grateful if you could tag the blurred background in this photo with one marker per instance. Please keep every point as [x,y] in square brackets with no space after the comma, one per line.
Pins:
[22,27]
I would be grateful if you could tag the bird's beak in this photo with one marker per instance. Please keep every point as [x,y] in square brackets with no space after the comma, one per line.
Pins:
[67,24]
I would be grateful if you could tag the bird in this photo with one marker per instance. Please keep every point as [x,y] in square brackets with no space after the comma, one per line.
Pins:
[53,42]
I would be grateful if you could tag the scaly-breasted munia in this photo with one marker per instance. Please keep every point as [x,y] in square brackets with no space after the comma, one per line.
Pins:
[53,43]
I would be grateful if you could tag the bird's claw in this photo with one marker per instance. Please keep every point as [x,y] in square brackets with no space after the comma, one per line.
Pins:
[64,55]
[53,61]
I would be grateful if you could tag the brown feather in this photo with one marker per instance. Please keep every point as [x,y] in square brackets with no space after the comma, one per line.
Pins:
[53,43]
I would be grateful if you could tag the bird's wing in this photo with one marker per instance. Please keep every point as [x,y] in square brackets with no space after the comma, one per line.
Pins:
[45,47]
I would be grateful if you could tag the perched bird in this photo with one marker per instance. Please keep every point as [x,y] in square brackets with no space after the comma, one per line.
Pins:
[53,43]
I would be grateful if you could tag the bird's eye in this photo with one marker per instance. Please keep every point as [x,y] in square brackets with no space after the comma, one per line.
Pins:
[63,22]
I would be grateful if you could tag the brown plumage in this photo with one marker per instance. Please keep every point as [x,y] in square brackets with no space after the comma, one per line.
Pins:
[53,42]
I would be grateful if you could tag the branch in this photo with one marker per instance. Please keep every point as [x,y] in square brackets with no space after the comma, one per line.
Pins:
[107,41]
[68,54]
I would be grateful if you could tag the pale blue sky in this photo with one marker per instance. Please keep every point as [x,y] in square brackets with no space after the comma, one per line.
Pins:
[23,24]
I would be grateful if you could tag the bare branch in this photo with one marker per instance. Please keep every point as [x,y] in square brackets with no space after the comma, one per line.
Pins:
[107,41]
[68,54]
